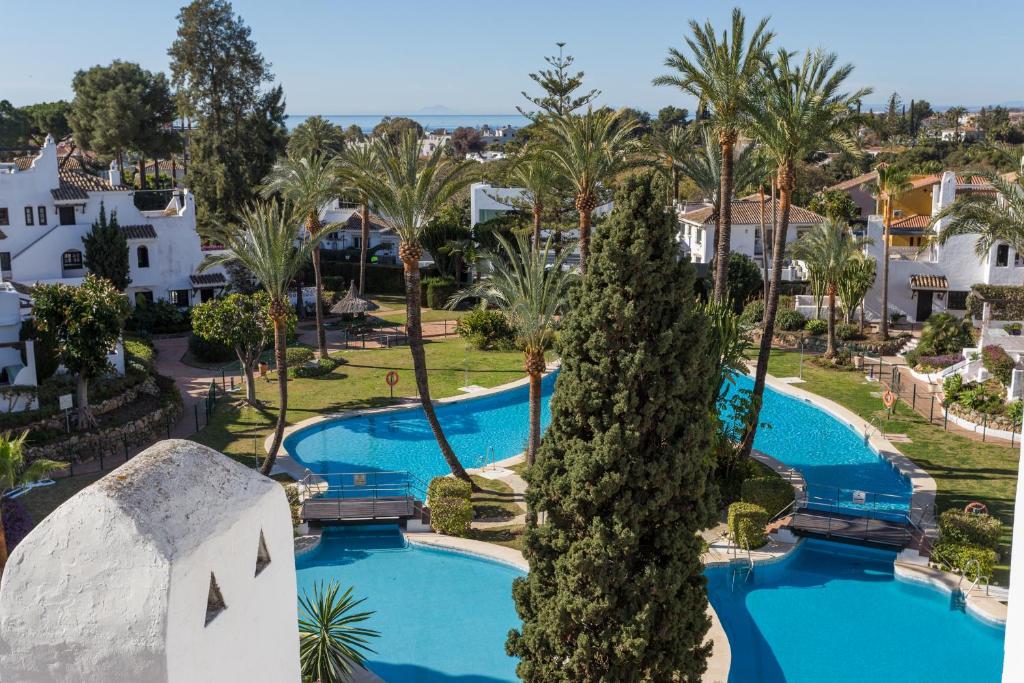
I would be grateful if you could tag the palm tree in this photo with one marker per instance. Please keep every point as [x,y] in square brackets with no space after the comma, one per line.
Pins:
[308,184]
[800,109]
[316,136]
[355,162]
[892,182]
[264,241]
[14,473]
[589,150]
[532,294]
[330,639]
[855,285]
[409,192]
[703,166]
[992,219]
[829,249]
[721,74]
[669,145]
[953,115]
[537,177]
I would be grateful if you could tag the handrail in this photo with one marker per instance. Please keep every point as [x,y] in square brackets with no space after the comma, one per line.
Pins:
[963,572]
[975,583]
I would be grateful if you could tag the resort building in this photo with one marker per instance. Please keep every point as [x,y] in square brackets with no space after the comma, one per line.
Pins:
[488,201]
[697,231]
[177,567]
[347,237]
[17,358]
[46,210]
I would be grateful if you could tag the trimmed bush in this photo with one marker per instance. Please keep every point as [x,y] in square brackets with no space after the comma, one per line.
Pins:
[451,516]
[770,493]
[139,353]
[790,320]
[209,351]
[157,317]
[753,313]
[998,363]
[970,529]
[298,355]
[846,332]
[438,291]
[323,366]
[746,525]
[448,487]
[816,326]
[486,329]
[961,556]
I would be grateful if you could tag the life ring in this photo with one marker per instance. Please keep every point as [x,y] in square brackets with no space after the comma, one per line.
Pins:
[889,399]
[976,508]
[391,378]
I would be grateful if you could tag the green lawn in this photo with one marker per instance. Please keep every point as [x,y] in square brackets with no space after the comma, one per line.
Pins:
[494,501]
[358,384]
[963,469]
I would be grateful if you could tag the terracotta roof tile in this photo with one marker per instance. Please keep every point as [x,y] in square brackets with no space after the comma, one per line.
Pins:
[914,221]
[76,185]
[208,279]
[929,282]
[139,232]
[354,222]
[854,183]
[748,212]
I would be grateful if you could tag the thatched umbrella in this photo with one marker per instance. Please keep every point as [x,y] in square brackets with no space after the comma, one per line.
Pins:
[353,304]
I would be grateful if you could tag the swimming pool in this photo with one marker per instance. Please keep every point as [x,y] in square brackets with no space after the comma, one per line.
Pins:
[443,616]
[831,612]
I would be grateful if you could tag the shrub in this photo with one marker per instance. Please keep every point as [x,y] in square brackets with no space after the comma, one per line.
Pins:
[816,326]
[790,320]
[944,333]
[140,353]
[438,291]
[486,329]
[298,355]
[157,317]
[998,363]
[961,556]
[1015,411]
[44,347]
[980,397]
[323,366]
[952,386]
[746,524]
[846,331]
[451,516]
[209,351]
[936,362]
[971,529]
[753,313]
[770,493]
[448,487]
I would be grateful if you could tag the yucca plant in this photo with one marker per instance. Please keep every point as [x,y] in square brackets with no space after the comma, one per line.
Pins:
[331,641]
[15,473]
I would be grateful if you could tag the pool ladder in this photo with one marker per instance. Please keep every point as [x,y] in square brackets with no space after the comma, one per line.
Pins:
[486,461]
[742,565]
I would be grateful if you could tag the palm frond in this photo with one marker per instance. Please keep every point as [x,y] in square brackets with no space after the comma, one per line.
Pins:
[331,640]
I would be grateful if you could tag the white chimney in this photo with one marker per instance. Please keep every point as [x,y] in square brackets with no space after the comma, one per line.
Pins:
[114,175]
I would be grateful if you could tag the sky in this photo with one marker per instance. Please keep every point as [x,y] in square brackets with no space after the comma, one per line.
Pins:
[401,56]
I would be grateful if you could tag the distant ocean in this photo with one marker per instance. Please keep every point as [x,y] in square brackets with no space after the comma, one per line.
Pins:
[428,121]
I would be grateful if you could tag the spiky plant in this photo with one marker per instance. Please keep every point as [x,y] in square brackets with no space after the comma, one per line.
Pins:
[331,641]
[357,164]
[537,176]
[669,146]
[264,240]
[855,285]
[992,219]
[721,74]
[14,473]
[891,183]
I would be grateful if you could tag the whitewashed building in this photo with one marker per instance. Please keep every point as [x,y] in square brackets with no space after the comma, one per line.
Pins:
[46,210]
[176,567]
[17,358]
[929,279]
[347,237]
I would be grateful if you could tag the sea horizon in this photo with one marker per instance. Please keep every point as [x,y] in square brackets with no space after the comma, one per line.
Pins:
[367,122]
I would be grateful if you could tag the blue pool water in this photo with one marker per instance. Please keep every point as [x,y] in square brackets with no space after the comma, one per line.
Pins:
[443,616]
[831,612]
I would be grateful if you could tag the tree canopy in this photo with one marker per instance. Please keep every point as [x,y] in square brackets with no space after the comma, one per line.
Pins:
[559,85]
[106,250]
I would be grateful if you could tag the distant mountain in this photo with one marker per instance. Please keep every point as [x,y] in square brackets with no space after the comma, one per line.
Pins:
[435,110]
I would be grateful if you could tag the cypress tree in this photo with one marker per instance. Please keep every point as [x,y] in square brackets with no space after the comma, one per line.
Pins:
[623,477]
[106,250]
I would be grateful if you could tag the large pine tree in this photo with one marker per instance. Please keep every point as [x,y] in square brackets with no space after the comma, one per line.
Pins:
[623,478]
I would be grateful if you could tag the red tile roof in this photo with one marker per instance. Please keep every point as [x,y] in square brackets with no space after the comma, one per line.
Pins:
[76,185]
[748,212]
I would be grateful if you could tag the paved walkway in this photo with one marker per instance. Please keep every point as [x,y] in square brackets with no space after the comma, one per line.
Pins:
[194,383]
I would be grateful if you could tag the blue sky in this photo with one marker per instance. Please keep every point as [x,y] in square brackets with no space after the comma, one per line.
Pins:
[399,56]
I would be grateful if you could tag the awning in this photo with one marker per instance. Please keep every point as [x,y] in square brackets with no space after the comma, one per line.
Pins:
[139,232]
[204,280]
[929,282]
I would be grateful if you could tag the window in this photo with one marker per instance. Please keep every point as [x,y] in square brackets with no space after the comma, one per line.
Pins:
[1002,255]
[957,301]
[66,214]
[214,600]
[5,263]
[41,212]
[357,242]
[206,294]
[72,260]
[5,218]
[143,256]
[143,296]
[262,555]
[29,218]
[179,297]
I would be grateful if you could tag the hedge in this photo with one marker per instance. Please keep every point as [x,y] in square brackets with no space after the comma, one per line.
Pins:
[770,493]
[486,329]
[298,355]
[380,279]
[961,556]
[451,516]
[439,290]
[753,313]
[1006,301]
[209,351]
[970,529]
[323,366]
[998,363]
[790,320]
[448,487]
[746,525]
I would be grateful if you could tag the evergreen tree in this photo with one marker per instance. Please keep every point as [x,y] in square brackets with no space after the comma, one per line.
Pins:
[622,479]
[559,87]
[106,250]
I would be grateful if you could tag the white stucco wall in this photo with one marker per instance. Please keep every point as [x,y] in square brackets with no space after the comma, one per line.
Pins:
[1013,645]
[113,585]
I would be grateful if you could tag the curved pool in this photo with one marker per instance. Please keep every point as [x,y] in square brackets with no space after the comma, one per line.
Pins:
[443,616]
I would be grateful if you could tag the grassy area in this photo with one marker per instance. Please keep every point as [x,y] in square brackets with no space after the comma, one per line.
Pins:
[509,536]
[963,469]
[359,384]
[43,500]
[494,501]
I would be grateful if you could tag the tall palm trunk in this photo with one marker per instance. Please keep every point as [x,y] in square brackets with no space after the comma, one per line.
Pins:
[364,239]
[585,205]
[675,183]
[724,236]
[771,307]
[278,311]
[142,172]
[535,367]
[884,326]
[764,249]
[830,347]
[3,544]
[538,208]
[410,253]
[313,226]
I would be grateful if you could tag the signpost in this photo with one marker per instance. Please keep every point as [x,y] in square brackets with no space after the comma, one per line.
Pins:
[392,380]
[66,403]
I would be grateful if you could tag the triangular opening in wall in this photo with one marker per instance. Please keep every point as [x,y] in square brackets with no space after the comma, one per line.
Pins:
[214,601]
[262,555]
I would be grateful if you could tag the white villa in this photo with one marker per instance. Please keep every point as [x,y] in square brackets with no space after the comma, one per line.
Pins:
[349,234]
[45,210]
